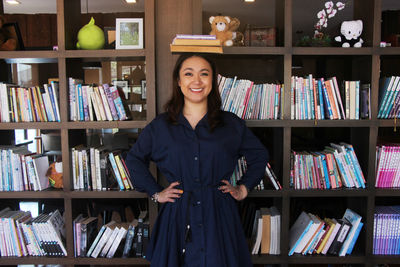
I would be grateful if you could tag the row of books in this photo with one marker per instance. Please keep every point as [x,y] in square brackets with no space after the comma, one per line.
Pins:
[388,169]
[269,177]
[386,236]
[334,167]
[320,99]
[112,240]
[99,169]
[266,232]
[90,103]
[20,170]
[196,43]
[32,104]
[249,100]
[312,235]
[389,98]
[21,235]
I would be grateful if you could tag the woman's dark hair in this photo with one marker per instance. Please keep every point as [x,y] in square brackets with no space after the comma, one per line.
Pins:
[175,104]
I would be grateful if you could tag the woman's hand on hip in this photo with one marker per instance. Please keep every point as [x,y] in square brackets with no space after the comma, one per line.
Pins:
[238,192]
[170,193]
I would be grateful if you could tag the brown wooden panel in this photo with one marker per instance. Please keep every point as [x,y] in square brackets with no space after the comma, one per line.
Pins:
[40,26]
[173,16]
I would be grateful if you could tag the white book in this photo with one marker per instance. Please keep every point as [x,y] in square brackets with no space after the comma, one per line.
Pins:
[95,106]
[310,233]
[121,235]
[54,87]
[93,168]
[89,93]
[331,237]
[105,104]
[257,244]
[99,104]
[41,166]
[104,238]
[355,220]
[109,242]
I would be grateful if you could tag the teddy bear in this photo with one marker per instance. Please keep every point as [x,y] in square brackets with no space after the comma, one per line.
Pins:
[350,33]
[224,27]
[7,43]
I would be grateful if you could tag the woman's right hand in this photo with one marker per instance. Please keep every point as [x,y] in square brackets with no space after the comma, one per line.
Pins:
[170,193]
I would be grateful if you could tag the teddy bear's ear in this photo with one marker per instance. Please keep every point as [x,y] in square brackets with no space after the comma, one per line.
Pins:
[211,19]
[228,19]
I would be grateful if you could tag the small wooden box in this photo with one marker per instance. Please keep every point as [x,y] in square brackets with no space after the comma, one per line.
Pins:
[259,36]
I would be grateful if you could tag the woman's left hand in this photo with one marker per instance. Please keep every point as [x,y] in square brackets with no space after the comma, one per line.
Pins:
[238,192]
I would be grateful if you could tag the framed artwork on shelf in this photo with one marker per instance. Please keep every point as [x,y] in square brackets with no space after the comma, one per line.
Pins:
[109,34]
[143,84]
[129,33]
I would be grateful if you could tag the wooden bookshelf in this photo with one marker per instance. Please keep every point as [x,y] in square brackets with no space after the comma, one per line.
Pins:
[163,19]
[68,24]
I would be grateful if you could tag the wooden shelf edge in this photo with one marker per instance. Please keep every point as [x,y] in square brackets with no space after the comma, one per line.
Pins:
[106,124]
[71,261]
[106,194]
[105,53]
[32,194]
[332,51]
[30,125]
[30,54]
[252,50]
[344,192]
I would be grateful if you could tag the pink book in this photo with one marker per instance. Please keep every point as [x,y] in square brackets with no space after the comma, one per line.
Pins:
[381,159]
[246,99]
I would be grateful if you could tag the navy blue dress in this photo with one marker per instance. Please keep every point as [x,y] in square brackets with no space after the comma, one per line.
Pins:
[199,160]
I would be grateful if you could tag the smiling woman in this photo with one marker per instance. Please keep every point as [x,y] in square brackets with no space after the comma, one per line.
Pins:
[196,146]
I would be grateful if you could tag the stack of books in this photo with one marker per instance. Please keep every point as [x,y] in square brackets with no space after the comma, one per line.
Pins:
[266,233]
[22,235]
[251,101]
[33,104]
[99,169]
[389,98]
[388,169]
[269,176]
[196,43]
[386,234]
[312,235]
[334,167]
[21,170]
[90,103]
[112,240]
[319,99]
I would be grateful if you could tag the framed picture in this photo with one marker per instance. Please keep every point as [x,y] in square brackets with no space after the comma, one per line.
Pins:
[109,34]
[129,34]
[143,83]
[14,32]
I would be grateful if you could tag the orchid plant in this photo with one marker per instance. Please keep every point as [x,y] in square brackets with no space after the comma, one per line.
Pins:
[328,12]
[320,39]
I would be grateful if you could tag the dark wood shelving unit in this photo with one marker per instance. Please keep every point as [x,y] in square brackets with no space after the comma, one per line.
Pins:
[67,10]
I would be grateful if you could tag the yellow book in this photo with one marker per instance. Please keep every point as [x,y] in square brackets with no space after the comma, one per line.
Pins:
[122,172]
[204,42]
[331,227]
[196,48]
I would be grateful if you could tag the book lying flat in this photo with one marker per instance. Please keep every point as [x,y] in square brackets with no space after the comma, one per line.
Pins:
[206,42]
[196,48]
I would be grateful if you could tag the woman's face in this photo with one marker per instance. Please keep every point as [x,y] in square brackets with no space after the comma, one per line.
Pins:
[195,80]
